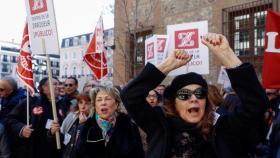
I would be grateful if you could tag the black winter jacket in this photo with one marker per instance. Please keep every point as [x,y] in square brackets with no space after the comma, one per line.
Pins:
[233,135]
[41,144]
[8,103]
[125,141]
[4,146]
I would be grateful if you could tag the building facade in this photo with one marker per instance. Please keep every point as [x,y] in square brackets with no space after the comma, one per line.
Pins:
[9,53]
[71,57]
[241,21]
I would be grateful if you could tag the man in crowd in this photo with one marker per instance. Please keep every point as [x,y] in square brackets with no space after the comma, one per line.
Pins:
[33,140]
[71,91]
[89,85]
[10,96]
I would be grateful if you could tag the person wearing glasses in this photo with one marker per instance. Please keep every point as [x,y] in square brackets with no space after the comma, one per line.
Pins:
[153,98]
[109,133]
[33,140]
[89,85]
[71,92]
[190,128]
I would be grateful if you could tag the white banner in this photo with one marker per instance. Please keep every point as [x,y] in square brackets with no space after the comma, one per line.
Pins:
[42,25]
[186,37]
[223,78]
[155,49]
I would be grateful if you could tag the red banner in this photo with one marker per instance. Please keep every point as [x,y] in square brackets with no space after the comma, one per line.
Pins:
[95,55]
[24,66]
[271,63]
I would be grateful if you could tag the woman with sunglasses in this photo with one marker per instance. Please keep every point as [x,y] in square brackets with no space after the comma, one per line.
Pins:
[190,128]
[109,133]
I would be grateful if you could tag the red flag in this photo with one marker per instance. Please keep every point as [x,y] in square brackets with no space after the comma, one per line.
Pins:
[95,54]
[271,63]
[24,66]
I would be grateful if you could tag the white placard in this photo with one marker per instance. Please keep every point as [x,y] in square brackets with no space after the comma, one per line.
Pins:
[186,37]
[156,49]
[161,45]
[223,78]
[150,50]
[42,25]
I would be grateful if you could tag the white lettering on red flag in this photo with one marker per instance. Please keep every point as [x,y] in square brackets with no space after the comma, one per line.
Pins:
[271,63]
[24,66]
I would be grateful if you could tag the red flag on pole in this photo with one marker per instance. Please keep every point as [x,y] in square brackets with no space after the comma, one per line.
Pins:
[24,66]
[271,63]
[95,55]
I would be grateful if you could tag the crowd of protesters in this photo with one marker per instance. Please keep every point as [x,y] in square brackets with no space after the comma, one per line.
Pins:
[187,118]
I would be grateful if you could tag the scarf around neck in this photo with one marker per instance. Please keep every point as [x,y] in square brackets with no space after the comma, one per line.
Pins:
[106,126]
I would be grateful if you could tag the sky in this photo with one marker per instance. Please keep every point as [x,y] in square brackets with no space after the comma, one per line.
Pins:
[74,17]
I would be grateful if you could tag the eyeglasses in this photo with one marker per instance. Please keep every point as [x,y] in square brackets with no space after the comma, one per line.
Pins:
[70,85]
[185,94]
[2,89]
[152,96]
[270,93]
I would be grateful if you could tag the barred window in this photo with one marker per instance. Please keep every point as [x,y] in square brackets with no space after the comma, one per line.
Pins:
[244,26]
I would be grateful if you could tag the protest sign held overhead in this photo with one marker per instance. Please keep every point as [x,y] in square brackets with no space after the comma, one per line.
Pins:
[186,37]
[155,49]
[42,25]
[150,48]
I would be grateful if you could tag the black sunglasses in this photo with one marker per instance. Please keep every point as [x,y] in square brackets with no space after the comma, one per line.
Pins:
[70,85]
[269,93]
[185,94]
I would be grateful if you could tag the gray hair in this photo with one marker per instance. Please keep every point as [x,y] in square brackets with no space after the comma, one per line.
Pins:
[12,82]
[112,92]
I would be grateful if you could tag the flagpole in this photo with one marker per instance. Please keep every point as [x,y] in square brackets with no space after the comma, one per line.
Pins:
[27,107]
[58,145]
[101,66]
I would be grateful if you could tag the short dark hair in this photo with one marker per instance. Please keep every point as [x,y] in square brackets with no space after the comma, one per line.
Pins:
[73,78]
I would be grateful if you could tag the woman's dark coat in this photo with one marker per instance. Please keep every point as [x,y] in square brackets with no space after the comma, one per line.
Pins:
[233,135]
[125,141]
[41,144]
